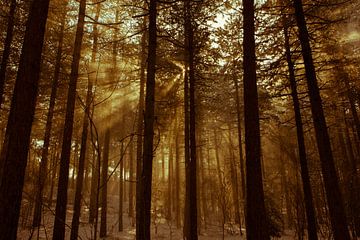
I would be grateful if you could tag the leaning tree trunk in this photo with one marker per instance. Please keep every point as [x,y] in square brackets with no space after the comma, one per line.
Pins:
[45,151]
[7,47]
[333,194]
[143,197]
[309,205]
[256,219]
[61,201]
[17,137]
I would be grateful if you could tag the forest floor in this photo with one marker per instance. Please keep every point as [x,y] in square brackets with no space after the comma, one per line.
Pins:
[161,230]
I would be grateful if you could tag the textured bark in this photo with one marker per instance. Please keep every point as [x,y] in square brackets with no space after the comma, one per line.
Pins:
[82,159]
[333,194]
[309,205]
[61,201]
[103,185]
[256,219]
[45,150]
[7,47]
[143,215]
[17,137]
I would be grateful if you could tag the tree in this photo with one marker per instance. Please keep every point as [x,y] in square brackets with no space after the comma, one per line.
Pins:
[143,197]
[48,127]
[17,137]
[256,227]
[61,201]
[333,194]
[309,205]
[80,173]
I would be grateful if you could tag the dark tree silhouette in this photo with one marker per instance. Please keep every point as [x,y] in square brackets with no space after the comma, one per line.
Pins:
[143,197]
[333,194]
[61,201]
[17,137]
[256,219]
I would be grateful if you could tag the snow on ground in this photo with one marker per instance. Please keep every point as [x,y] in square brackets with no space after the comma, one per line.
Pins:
[161,231]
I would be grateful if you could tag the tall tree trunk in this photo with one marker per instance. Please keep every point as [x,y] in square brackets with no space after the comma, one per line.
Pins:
[131,179]
[82,159]
[234,181]
[94,187]
[144,195]
[121,190]
[170,203]
[242,164]
[61,202]
[103,185]
[45,150]
[177,174]
[192,231]
[333,194]
[256,228]
[140,130]
[309,205]
[7,47]
[17,137]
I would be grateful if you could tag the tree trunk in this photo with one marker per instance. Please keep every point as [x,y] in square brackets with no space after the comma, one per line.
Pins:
[333,194]
[256,227]
[121,192]
[143,215]
[17,137]
[177,174]
[61,202]
[140,132]
[45,150]
[192,230]
[131,179]
[234,181]
[103,185]
[82,159]
[170,179]
[242,164]
[7,47]
[309,205]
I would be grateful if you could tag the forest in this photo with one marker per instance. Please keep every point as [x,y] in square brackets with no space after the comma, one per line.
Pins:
[180,119]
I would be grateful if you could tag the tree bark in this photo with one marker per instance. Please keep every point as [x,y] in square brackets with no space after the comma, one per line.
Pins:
[140,129]
[309,205]
[191,183]
[82,159]
[333,194]
[45,150]
[241,152]
[103,185]
[17,137]
[121,190]
[61,202]
[143,220]
[256,226]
